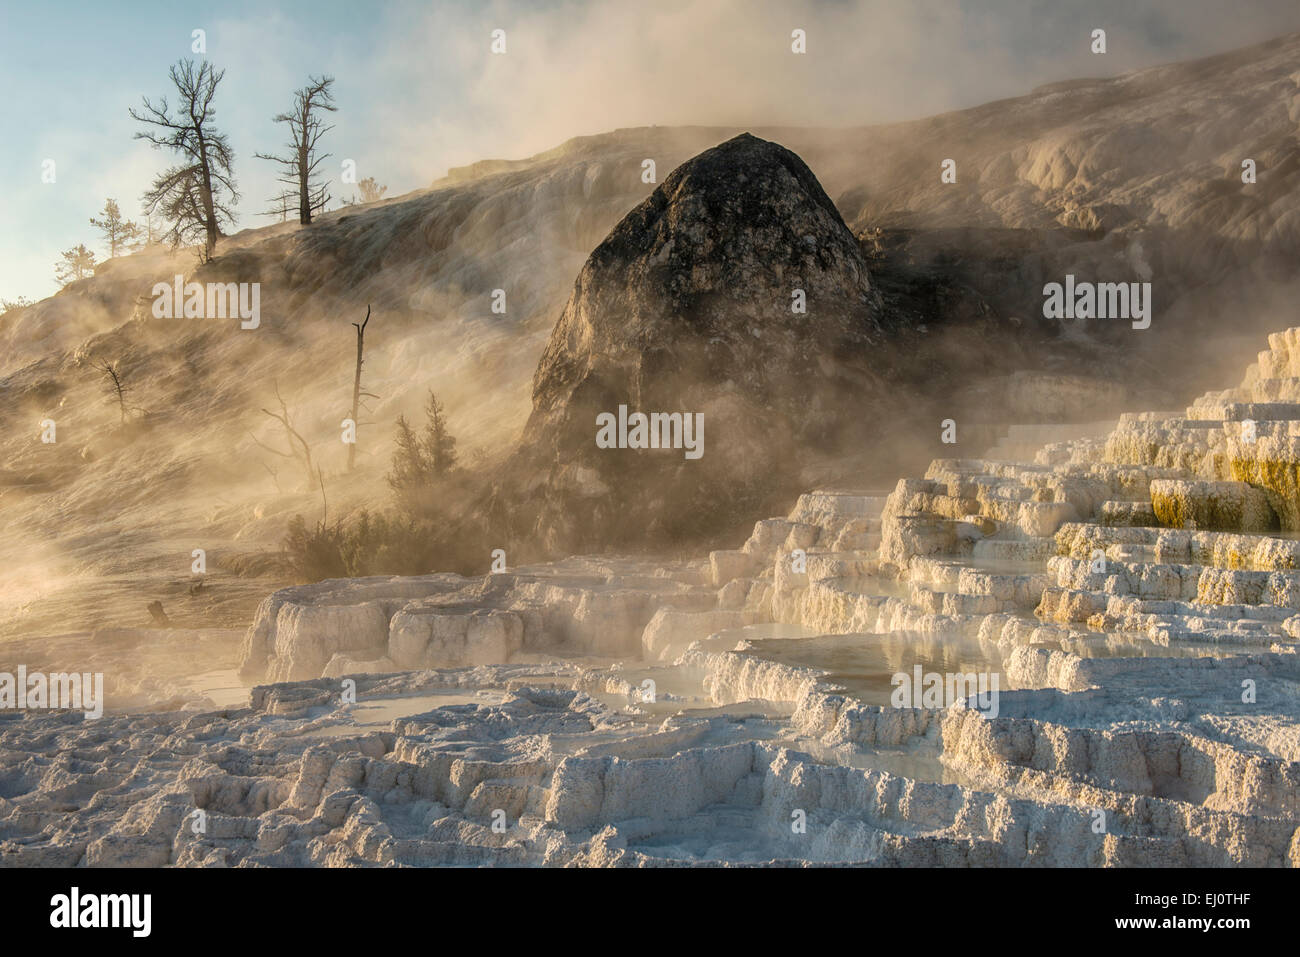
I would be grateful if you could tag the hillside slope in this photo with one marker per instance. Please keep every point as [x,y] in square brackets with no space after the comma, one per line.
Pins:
[1133,178]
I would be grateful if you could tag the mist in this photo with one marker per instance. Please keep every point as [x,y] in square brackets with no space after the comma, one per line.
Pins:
[434,596]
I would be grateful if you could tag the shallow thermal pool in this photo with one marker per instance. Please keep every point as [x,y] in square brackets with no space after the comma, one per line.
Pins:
[376,714]
[223,688]
[865,664]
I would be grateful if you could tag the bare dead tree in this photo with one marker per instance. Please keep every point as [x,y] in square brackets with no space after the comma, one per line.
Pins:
[280,206]
[191,195]
[149,234]
[301,451]
[356,387]
[324,505]
[299,167]
[117,388]
[275,475]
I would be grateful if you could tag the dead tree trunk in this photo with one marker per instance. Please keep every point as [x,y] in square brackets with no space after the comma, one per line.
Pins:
[116,386]
[356,387]
[304,194]
[119,392]
[302,451]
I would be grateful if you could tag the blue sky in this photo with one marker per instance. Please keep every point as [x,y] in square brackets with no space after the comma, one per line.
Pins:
[418,90]
[72,70]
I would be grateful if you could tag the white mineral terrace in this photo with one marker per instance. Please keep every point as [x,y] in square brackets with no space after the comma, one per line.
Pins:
[1136,592]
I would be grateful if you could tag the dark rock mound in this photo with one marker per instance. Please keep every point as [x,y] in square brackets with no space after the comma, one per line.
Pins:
[691,305]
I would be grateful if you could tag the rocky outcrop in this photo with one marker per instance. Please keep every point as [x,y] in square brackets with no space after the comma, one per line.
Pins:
[734,293]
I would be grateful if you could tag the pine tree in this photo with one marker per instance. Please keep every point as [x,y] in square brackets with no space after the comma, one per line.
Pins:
[437,445]
[77,263]
[407,471]
[119,233]
[370,190]
[422,463]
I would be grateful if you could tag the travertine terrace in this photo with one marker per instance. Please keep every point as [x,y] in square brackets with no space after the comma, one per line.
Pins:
[1137,592]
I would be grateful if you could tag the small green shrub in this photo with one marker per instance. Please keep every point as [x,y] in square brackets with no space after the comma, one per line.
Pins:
[421,537]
